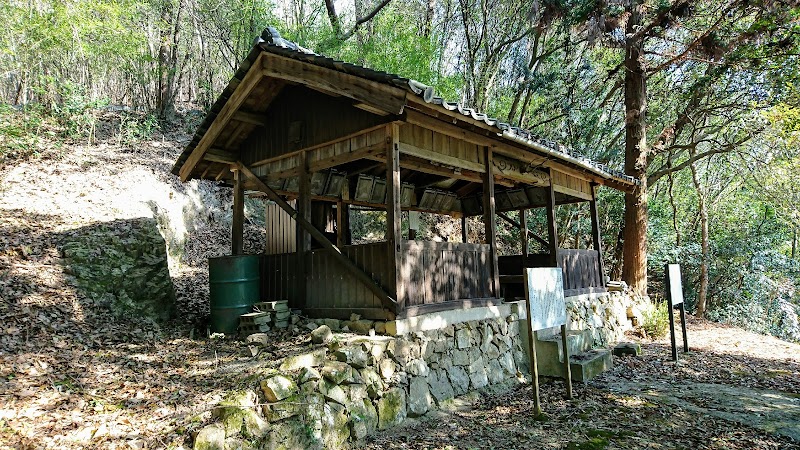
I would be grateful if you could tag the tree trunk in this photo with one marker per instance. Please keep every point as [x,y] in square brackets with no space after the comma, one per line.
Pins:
[702,291]
[634,269]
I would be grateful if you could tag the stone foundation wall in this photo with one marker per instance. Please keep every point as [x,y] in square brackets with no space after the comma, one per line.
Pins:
[350,386]
[608,315]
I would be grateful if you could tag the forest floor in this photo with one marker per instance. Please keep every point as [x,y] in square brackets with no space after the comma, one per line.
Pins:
[73,376]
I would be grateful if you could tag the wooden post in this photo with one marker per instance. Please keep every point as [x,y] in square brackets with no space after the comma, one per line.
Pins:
[237,226]
[552,228]
[394,237]
[303,238]
[464,231]
[340,223]
[532,339]
[596,238]
[523,231]
[489,219]
[567,368]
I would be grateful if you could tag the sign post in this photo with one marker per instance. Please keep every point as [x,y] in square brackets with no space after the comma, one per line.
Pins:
[546,308]
[674,288]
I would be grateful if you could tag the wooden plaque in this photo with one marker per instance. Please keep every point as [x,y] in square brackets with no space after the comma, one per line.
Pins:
[674,283]
[546,302]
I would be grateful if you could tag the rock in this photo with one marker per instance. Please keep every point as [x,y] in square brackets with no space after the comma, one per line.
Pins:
[387,368]
[487,336]
[355,317]
[278,388]
[309,374]
[495,372]
[440,387]
[507,363]
[477,375]
[261,339]
[333,392]
[353,355]
[391,408]
[417,368]
[476,365]
[335,371]
[380,327]
[449,331]
[335,431]
[492,352]
[459,379]
[461,358]
[333,324]
[419,397]
[399,350]
[363,418]
[211,437]
[305,360]
[463,338]
[373,382]
[322,335]
[627,349]
[360,326]
[275,412]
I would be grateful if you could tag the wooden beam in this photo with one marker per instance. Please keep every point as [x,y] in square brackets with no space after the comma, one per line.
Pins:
[523,231]
[552,227]
[251,118]
[408,149]
[237,224]
[513,222]
[489,221]
[251,79]
[372,151]
[597,239]
[219,155]
[394,238]
[572,192]
[360,275]
[302,236]
[386,98]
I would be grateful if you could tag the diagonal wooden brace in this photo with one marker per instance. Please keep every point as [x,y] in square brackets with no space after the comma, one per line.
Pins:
[388,302]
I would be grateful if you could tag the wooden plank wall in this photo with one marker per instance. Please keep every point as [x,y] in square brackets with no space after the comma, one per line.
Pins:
[331,286]
[580,269]
[571,185]
[300,117]
[278,277]
[431,145]
[435,272]
[281,230]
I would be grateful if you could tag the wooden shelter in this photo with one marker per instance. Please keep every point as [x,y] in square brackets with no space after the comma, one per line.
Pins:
[319,136]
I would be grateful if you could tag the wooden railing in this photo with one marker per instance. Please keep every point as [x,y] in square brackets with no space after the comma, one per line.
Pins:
[437,272]
[581,270]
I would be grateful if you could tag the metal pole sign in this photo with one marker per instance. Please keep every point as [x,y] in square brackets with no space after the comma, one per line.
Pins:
[546,308]
[674,288]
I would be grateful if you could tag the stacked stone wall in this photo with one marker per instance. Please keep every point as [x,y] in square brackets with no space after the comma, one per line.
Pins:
[608,315]
[354,385]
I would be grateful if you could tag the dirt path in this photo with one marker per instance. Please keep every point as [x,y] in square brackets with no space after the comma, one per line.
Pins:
[734,390]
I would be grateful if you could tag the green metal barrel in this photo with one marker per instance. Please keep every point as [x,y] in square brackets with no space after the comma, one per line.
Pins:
[234,283]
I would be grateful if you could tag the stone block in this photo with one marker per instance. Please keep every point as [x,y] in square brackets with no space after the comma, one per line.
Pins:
[440,387]
[309,374]
[478,379]
[336,371]
[353,355]
[333,324]
[391,408]
[589,365]
[495,372]
[322,335]
[211,437]
[333,392]
[278,388]
[627,349]
[305,360]
[459,379]
[335,429]
[372,382]
[363,418]
[387,368]
[399,350]
[506,361]
[461,357]
[417,368]
[419,397]
[491,351]
[360,326]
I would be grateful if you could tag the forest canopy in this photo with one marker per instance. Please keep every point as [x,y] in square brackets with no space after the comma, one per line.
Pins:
[697,100]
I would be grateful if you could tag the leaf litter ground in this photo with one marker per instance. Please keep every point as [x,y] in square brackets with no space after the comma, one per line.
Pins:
[73,376]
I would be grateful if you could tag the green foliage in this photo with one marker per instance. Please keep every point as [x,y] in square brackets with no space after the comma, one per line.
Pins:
[655,320]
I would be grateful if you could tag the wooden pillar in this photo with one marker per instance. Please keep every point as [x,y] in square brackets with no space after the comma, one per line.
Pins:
[552,228]
[464,231]
[596,238]
[237,228]
[489,219]
[523,231]
[303,237]
[340,224]
[394,237]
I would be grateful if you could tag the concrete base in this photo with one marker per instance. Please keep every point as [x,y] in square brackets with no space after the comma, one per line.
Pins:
[440,320]
[590,364]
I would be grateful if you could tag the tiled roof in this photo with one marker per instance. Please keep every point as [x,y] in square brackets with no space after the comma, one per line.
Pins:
[271,41]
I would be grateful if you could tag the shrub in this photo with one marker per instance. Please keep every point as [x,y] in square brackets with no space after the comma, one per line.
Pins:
[655,319]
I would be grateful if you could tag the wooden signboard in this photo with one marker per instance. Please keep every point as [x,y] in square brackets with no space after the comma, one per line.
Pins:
[674,288]
[546,308]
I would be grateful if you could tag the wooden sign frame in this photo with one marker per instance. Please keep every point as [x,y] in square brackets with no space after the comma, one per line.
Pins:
[541,281]
[674,294]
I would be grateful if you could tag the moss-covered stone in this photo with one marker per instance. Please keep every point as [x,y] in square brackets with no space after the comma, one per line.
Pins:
[211,437]
[122,265]
[278,387]
[238,415]
[391,408]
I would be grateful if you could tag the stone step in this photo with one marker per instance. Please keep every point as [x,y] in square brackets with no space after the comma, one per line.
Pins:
[583,366]
[578,341]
